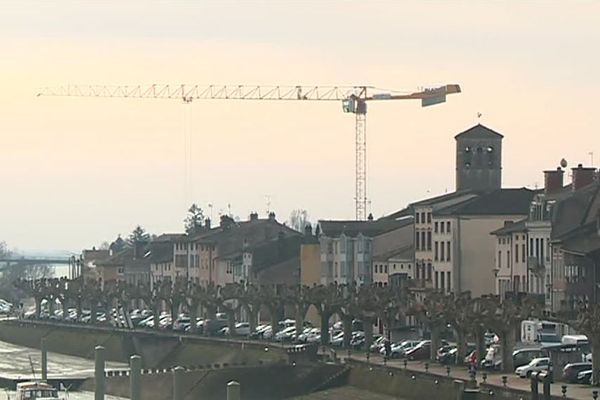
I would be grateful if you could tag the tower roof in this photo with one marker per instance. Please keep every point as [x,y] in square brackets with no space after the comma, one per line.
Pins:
[479,131]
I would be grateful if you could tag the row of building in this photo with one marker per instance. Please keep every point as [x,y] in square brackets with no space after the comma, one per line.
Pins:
[481,238]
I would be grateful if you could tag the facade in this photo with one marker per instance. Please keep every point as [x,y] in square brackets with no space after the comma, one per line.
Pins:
[512,275]
[347,247]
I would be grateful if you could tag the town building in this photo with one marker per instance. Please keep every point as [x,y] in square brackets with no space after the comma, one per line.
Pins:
[347,247]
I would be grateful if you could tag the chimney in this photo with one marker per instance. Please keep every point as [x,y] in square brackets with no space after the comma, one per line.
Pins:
[582,176]
[253,216]
[271,216]
[207,223]
[553,180]
[308,230]
[226,221]
[370,217]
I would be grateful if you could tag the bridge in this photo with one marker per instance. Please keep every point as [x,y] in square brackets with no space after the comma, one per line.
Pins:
[73,262]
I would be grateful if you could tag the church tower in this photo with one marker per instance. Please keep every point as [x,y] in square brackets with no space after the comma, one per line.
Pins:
[478,159]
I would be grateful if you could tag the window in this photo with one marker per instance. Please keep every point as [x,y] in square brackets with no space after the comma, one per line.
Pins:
[435,251]
[499,259]
[429,271]
[442,285]
[386,269]
[531,247]
[428,217]
[523,253]
[417,270]
[508,259]
[429,240]
[449,286]
[448,251]
[417,219]
[418,241]
[436,281]
[423,241]
[442,256]
[435,227]
[448,227]
[423,217]
[541,249]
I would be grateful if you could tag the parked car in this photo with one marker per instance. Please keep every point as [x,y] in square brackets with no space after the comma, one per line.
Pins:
[181,323]
[258,332]
[421,351]
[585,377]
[286,334]
[572,370]
[524,356]
[377,344]
[398,350]
[536,365]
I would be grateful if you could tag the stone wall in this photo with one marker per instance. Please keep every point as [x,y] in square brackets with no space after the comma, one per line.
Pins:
[158,349]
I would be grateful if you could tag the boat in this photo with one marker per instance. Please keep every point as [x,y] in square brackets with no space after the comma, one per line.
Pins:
[38,390]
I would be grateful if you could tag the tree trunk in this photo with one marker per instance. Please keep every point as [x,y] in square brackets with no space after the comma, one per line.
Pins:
[65,308]
[193,310]
[156,315]
[347,325]
[252,314]
[595,359]
[274,321]
[231,322]
[93,311]
[368,327]
[435,341]
[38,307]
[300,313]
[507,344]
[79,308]
[480,342]
[461,346]
[325,328]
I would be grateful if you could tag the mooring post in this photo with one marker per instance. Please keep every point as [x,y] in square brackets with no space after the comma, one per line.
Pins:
[99,373]
[233,391]
[44,359]
[135,377]
[177,383]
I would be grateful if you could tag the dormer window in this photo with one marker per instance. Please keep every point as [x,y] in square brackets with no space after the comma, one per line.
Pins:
[490,149]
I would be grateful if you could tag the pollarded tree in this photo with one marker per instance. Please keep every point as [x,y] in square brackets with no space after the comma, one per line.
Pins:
[250,302]
[273,299]
[299,298]
[432,313]
[174,295]
[327,300]
[229,296]
[193,300]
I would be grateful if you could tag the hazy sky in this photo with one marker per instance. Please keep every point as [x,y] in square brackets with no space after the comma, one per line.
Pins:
[77,171]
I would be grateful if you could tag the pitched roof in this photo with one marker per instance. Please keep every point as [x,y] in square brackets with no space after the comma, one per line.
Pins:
[583,240]
[406,252]
[511,227]
[576,210]
[232,238]
[479,131]
[406,211]
[332,228]
[497,202]
[457,196]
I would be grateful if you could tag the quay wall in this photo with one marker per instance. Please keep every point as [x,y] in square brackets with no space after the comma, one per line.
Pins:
[158,349]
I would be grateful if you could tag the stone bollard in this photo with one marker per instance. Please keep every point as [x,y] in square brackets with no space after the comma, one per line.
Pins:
[135,377]
[459,388]
[44,359]
[99,373]
[177,383]
[233,391]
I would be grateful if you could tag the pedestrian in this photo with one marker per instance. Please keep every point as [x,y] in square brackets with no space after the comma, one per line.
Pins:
[388,348]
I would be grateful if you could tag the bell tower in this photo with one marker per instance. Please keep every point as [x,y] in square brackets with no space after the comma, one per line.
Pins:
[478,159]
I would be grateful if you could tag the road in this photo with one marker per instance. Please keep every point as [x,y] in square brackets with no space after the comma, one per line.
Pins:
[574,391]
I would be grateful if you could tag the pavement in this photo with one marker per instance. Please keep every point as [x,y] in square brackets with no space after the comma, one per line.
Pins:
[574,391]
[344,393]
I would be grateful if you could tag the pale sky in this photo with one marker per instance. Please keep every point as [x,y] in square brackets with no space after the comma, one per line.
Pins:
[78,171]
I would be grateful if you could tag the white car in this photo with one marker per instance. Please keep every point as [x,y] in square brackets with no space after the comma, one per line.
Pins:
[536,365]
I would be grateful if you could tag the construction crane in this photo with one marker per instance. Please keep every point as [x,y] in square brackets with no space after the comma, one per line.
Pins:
[354,100]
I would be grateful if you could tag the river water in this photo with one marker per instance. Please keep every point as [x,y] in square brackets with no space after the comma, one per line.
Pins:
[18,362]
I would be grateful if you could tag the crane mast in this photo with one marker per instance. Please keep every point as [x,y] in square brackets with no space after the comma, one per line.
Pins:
[354,100]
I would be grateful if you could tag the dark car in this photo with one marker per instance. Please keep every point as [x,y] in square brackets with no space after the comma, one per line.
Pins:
[570,371]
[422,351]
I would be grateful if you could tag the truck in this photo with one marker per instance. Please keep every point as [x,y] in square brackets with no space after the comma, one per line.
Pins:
[543,333]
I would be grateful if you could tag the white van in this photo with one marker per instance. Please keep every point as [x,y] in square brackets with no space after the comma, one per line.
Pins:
[575,339]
